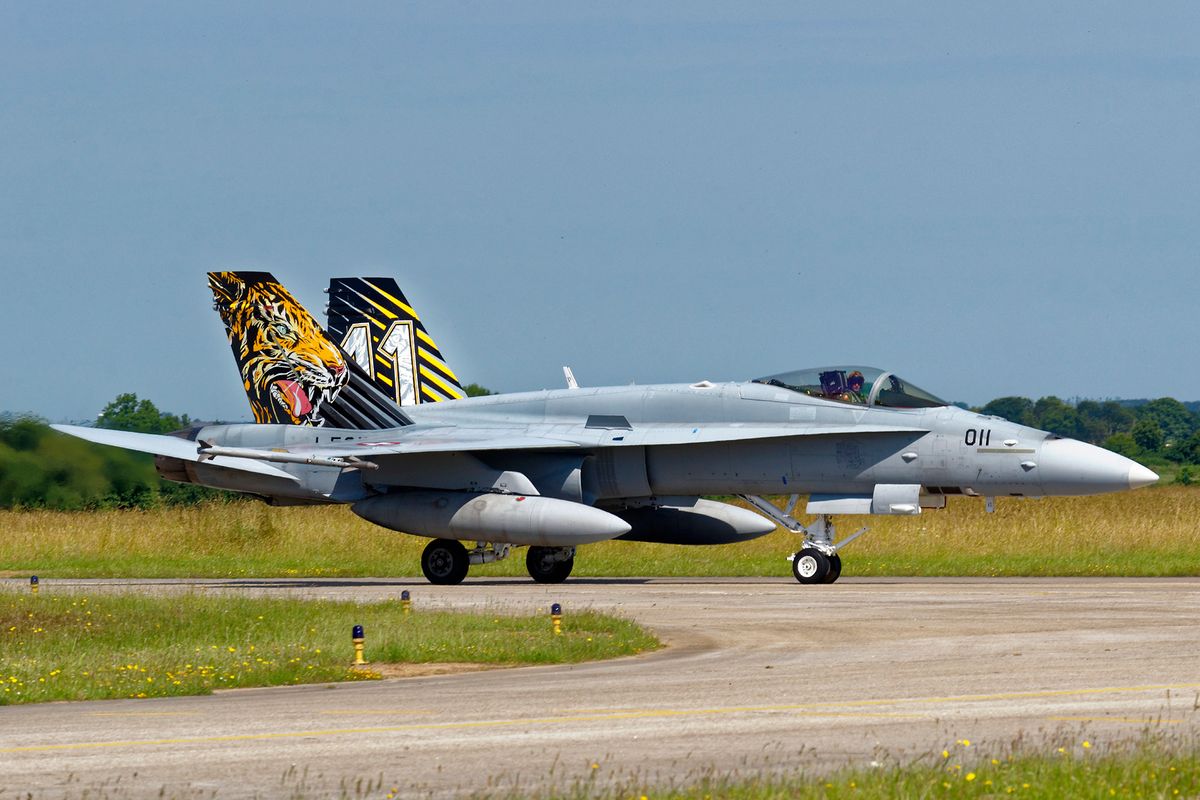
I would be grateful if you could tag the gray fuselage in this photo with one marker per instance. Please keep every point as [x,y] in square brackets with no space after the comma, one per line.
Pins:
[945,449]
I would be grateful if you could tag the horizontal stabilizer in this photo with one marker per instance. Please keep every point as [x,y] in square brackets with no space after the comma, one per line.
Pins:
[170,446]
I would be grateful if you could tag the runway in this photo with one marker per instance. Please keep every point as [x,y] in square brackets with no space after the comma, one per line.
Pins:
[757,674]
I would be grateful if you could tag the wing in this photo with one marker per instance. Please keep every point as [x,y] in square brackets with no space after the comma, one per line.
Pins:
[457,439]
[453,439]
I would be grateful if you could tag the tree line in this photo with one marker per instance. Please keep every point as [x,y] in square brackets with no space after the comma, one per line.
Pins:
[40,468]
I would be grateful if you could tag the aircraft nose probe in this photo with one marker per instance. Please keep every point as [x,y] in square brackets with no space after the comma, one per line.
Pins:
[1068,466]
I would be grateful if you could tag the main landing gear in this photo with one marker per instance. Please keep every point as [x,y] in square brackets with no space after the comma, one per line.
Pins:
[550,564]
[446,562]
[817,561]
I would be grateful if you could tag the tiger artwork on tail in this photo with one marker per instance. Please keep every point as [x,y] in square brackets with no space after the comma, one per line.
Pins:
[289,367]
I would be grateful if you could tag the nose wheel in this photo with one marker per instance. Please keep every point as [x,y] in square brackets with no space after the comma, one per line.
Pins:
[835,568]
[810,566]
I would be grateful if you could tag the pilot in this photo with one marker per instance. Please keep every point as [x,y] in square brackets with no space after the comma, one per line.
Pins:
[854,388]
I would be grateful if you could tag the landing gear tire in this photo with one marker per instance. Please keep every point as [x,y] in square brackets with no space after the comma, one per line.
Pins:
[445,562]
[835,568]
[545,568]
[812,566]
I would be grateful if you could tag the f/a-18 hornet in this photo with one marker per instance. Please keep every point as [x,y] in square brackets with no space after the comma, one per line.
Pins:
[348,416]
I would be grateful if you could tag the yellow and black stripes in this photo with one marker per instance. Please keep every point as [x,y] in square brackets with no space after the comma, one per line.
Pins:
[374,324]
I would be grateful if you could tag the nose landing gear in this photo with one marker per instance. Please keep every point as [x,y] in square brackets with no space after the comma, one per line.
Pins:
[817,561]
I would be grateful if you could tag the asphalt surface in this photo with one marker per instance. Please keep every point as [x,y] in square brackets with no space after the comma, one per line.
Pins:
[759,674]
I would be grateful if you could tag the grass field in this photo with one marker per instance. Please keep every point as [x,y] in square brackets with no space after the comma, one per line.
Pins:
[1149,532]
[1151,766]
[70,646]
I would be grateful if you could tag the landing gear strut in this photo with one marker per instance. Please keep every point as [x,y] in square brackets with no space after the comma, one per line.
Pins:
[550,564]
[818,560]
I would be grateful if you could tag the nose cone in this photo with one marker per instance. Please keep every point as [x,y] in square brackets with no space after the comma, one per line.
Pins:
[1070,467]
[1139,476]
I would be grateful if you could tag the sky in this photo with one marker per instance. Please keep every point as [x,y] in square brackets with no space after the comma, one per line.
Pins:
[989,199]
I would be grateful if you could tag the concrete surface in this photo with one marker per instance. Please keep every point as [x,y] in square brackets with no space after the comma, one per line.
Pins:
[759,674]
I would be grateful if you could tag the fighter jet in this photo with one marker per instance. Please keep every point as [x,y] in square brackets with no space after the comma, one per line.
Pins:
[553,470]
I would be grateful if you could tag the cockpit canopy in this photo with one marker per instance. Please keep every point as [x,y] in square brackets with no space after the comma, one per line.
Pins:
[866,386]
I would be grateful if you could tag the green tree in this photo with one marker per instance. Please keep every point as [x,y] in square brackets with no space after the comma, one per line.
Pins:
[127,413]
[22,433]
[1148,435]
[1124,444]
[1172,417]
[40,468]
[475,390]
[1189,451]
[1052,414]
[1098,421]
[43,469]
[1013,409]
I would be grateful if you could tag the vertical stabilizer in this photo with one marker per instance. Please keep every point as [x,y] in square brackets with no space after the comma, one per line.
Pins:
[376,327]
[292,372]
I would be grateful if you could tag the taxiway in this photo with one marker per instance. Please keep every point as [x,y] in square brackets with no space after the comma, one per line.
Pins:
[757,674]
